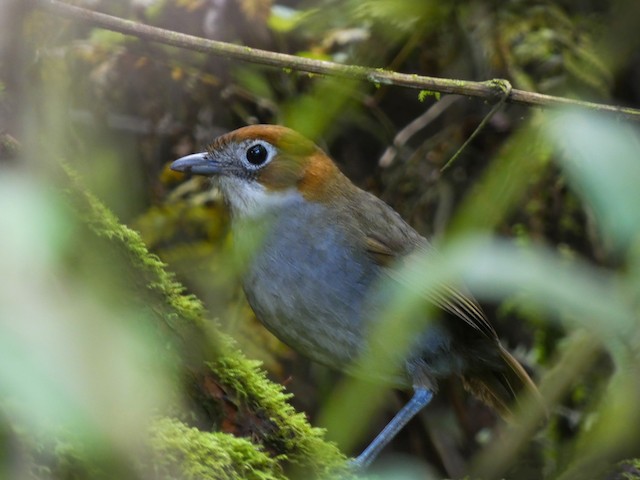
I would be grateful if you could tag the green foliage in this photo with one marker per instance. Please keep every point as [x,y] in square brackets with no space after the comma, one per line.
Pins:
[548,51]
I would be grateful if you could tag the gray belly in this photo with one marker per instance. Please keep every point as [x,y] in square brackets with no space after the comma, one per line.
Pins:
[310,289]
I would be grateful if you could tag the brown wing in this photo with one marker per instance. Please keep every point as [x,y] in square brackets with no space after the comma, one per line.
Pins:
[388,239]
[380,253]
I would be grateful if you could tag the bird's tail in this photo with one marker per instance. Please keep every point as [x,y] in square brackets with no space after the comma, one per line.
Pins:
[500,387]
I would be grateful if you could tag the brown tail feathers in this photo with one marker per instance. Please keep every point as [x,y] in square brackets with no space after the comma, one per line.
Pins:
[500,387]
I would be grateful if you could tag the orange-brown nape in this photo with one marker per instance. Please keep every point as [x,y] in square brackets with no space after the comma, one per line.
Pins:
[300,163]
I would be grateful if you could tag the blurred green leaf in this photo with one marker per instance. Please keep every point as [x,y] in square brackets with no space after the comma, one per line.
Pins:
[517,165]
[313,113]
[570,289]
[255,81]
[601,157]
[284,19]
[68,359]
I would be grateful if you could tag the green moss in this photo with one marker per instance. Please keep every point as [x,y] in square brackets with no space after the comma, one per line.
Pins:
[302,443]
[423,94]
[180,451]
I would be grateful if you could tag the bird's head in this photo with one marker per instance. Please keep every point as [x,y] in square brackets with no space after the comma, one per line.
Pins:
[260,167]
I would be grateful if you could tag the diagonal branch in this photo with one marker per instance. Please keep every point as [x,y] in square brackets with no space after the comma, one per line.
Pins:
[491,89]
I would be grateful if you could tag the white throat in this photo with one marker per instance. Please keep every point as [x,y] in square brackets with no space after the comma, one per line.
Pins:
[250,199]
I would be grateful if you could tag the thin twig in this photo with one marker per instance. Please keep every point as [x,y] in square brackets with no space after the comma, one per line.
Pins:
[488,89]
[416,125]
[507,89]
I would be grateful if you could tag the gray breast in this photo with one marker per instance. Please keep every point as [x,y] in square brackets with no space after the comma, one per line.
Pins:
[308,284]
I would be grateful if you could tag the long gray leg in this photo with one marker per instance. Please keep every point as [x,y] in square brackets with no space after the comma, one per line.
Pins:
[420,399]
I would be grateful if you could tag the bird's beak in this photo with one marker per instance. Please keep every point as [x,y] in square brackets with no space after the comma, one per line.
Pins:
[197,164]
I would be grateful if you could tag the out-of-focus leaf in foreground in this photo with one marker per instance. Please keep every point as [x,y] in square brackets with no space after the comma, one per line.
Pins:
[601,156]
[70,358]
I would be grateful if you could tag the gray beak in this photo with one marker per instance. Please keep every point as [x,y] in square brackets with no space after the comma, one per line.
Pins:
[197,164]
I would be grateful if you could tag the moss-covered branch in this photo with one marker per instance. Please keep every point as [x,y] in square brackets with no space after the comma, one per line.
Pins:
[211,357]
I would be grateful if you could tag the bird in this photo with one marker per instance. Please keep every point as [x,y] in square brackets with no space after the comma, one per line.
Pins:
[316,278]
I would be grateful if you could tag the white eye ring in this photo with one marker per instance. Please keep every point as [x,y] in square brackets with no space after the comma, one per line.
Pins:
[257,154]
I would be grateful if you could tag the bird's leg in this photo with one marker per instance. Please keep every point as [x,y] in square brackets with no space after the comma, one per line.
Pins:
[420,399]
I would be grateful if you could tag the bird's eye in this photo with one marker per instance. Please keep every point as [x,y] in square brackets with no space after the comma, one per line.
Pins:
[257,154]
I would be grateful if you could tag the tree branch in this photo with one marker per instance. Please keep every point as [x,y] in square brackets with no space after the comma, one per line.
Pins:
[491,89]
